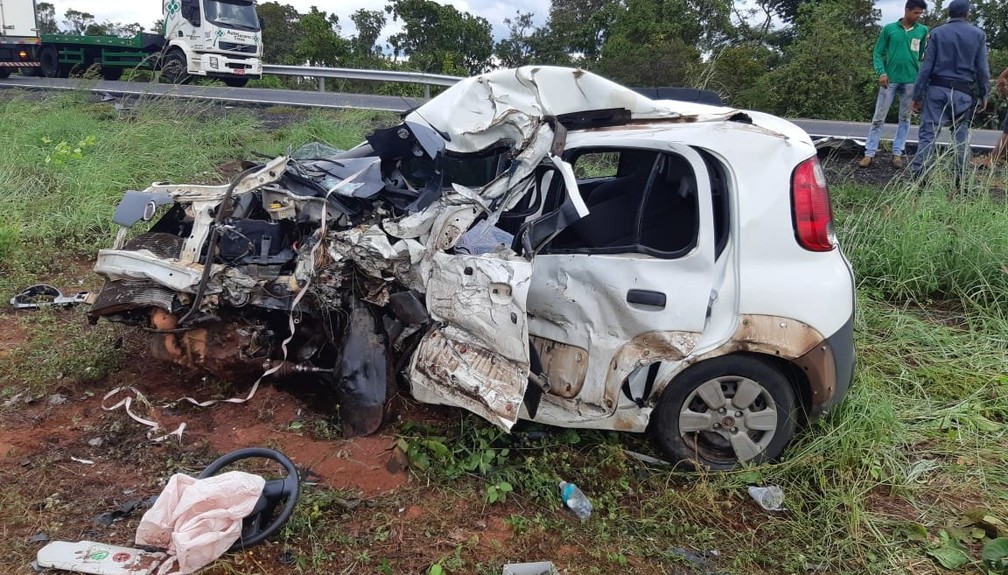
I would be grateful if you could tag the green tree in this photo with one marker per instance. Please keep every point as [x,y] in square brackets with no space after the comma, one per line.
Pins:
[827,70]
[369,24]
[935,15]
[282,31]
[992,16]
[735,72]
[516,49]
[46,16]
[77,22]
[438,38]
[650,43]
[321,44]
[117,29]
[790,10]
[579,28]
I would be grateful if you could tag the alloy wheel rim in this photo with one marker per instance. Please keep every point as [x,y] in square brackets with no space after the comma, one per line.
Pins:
[728,418]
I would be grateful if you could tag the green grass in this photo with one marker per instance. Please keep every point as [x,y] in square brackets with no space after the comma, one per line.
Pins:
[883,485]
[915,243]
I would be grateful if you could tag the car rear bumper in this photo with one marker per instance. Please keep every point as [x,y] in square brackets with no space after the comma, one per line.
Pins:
[830,369]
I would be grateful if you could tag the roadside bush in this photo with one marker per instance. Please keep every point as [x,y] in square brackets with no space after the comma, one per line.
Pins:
[827,71]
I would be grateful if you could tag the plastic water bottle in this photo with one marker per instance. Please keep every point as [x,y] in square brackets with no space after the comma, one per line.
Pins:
[575,500]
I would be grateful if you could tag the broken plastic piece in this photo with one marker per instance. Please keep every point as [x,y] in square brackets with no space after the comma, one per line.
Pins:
[770,498]
[537,568]
[40,295]
[124,510]
[98,558]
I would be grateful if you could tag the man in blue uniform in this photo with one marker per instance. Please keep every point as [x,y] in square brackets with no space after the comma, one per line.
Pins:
[952,85]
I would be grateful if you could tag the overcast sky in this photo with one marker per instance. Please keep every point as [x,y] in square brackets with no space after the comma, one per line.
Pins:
[145,12]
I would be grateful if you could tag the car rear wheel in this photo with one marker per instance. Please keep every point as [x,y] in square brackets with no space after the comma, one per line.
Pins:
[4,72]
[724,412]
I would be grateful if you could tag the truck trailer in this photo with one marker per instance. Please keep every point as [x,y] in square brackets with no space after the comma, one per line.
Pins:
[212,38]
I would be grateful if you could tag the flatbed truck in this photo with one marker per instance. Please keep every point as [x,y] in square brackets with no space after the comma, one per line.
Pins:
[212,38]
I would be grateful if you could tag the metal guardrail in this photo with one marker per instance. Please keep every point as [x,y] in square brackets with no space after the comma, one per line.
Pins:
[427,80]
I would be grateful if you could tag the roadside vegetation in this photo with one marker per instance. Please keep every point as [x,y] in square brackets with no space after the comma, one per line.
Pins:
[910,474]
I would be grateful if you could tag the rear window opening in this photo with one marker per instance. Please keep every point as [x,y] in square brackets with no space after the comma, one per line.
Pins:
[641,201]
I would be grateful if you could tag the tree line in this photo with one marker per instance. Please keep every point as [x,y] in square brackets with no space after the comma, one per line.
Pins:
[795,58]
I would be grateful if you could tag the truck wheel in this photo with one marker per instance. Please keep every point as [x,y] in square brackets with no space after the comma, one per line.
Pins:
[4,72]
[725,412]
[174,68]
[111,74]
[235,82]
[49,58]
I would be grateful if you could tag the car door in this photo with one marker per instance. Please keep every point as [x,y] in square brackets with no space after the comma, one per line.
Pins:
[477,355]
[626,286]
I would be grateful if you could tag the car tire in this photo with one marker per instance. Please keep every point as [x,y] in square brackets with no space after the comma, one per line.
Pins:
[698,423]
[4,72]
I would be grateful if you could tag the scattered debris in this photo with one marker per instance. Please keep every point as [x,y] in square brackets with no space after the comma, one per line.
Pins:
[197,520]
[79,460]
[40,295]
[98,558]
[398,461]
[575,500]
[41,537]
[57,399]
[287,557]
[96,442]
[123,511]
[14,399]
[646,458]
[770,498]
[698,559]
[537,568]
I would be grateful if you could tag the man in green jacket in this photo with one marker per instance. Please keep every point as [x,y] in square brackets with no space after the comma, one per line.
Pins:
[896,57]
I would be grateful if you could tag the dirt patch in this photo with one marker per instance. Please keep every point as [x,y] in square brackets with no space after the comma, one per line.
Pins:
[11,333]
[842,168]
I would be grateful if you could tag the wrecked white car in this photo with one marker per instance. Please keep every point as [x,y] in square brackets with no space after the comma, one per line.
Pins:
[538,243]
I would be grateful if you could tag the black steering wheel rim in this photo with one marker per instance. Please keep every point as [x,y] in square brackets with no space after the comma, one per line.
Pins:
[290,488]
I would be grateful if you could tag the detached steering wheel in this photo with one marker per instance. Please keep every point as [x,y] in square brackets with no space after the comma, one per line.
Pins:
[254,527]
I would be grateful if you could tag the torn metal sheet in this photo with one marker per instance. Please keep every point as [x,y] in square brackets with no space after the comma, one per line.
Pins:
[480,360]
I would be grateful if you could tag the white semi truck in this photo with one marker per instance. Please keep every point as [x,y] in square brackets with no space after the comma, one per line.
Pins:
[212,38]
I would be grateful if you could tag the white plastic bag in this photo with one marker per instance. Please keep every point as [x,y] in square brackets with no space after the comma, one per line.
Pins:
[197,520]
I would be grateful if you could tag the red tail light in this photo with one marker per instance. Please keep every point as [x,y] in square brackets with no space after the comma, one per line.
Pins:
[811,211]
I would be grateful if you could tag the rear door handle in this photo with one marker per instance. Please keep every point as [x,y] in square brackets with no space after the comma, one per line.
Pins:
[646,297]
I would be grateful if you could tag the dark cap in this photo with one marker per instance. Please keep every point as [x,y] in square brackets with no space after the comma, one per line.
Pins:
[958,8]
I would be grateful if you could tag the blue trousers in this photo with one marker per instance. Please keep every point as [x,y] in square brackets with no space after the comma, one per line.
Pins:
[943,107]
[882,105]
